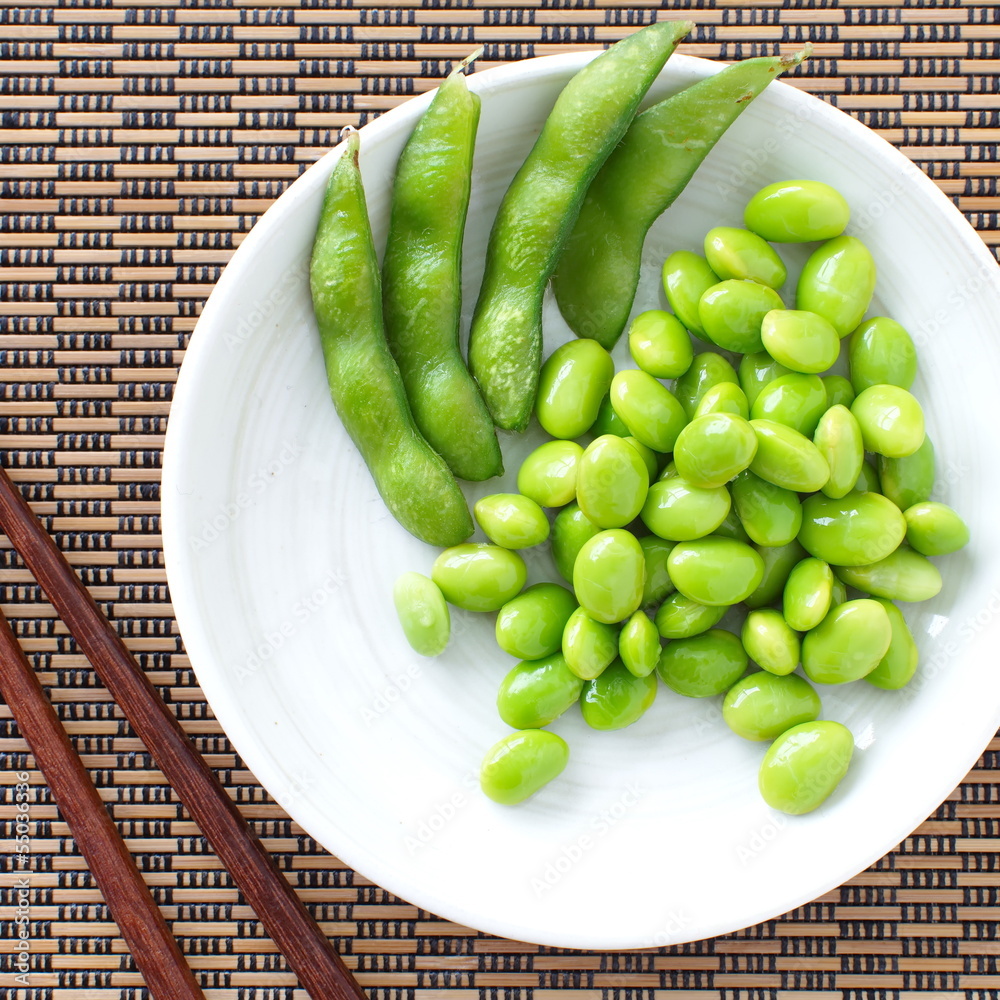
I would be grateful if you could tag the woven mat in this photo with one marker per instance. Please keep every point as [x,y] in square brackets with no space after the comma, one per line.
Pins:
[140,142]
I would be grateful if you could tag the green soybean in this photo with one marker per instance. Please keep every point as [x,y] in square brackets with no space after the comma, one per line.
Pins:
[770,642]
[855,530]
[423,613]
[837,282]
[838,438]
[617,698]
[732,527]
[570,529]
[771,515]
[869,481]
[897,667]
[713,570]
[778,563]
[804,765]
[903,575]
[608,575]
[479,577]
[713,449]
[511,520]
[531,625]
[795,400]
[882,353]
[521,764]
[659,344]
[787,458]
[726,397]
[838,595]
[765,705]
[648,409]
[848,644]
[679,617]
[756,371]
[573,381]
[655,553]
[536,692]
[707,369]
[797,212]
[741,254]
[808,594]
[611,483]
[934,529]
[677,511]
[839,390]
[588,645]
[908,480]
[732,312]
[639,645]
[702,665]
[800,340]
[648,456]
[686,277]
[548,474]
[608,422]
[891,420]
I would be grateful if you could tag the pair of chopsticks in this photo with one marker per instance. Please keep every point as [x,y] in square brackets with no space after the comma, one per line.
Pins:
[319,968]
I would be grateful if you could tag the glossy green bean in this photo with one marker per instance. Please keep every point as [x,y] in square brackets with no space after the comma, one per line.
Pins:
[617,698]
[521,764]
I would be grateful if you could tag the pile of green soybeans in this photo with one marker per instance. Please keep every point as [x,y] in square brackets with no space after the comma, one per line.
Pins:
[743,482]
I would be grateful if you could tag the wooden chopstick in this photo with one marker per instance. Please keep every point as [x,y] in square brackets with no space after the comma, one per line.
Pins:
[319,968]
[142,925]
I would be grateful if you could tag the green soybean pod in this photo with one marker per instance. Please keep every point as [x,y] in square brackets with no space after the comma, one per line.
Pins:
[881,352]
[548,474]
[771,515]
[756,371]
[909,480]
[677,511]
[648,409]
[531,625]
[934,529]
[787,458]
[770,642]
[848,644]
[702,665]
[511,520]
[617,698]
[655,553]
[479,577]
[536,692]
[573,381]
[726,397]
[686,277]
[611,482]
[903,575]
[897,667]
[800,340]
[838,438]
[608,575]
[715,570]
[570,529]
[732,313]
[891,420]
[837,282]
[713,449]
[855,530]
[588,645]
[795,400]
[804,765]
[679,617]
[521,764]
[839,391]
[639,645]
[423,613]
[608,422]
[797,212]
[869,481]
[764,705]
[779,560]
[707,369]
[659,344]
[648,456]
[741,254]
[808,594]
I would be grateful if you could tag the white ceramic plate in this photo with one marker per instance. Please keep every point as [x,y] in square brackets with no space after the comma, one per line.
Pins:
[281,559]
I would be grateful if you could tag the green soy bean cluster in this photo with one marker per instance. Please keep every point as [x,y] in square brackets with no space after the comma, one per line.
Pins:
[691,486]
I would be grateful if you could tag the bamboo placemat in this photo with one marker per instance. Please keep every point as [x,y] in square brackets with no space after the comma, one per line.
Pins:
[140,142]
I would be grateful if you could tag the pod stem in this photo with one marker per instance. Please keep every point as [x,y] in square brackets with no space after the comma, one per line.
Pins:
[797,58]
[468,60]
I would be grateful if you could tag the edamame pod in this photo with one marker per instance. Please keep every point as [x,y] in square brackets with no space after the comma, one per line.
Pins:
[770,515]
[837,282]
[679,617]
[838,438]
[702,665]
[934,529]
[422,282]
[897,667]
[521,764]
[597,276]
[609,574]
[536,692]
[423,613]
[540,208]
[367,390]
[797,212]
[804,765]
[659,344]
[588,645]
[511,520]
[573,381]
[903,575]
[848,644]
[570,529]
[765,705]
[770,642]
[530,626]
[639,645]
[479,577]
[617,698]
[856,530]
[882,353]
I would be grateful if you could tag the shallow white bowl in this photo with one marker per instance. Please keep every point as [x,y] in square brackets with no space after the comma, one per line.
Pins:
[281,559]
